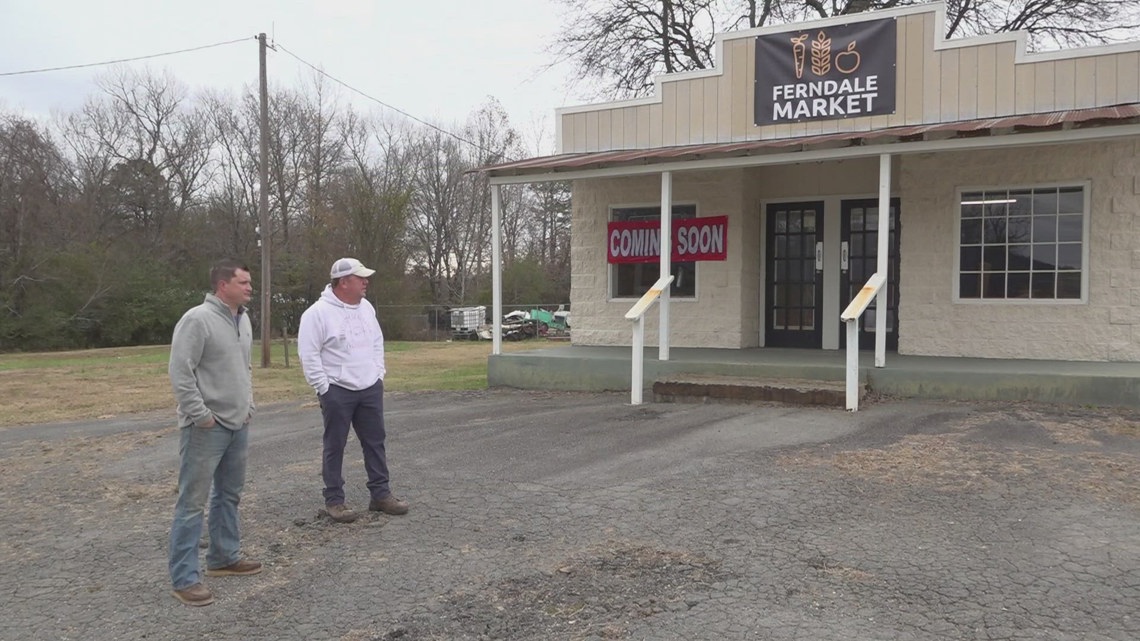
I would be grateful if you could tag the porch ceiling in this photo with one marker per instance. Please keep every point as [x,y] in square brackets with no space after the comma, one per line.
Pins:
[1057,121]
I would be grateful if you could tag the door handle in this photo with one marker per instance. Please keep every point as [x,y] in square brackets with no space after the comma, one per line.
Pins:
[819,256]
[843,256]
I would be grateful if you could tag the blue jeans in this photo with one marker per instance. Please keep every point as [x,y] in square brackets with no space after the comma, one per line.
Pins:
[214,454]
[363,410]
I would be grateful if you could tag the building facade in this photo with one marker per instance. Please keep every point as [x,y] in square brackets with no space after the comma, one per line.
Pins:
[1012,181]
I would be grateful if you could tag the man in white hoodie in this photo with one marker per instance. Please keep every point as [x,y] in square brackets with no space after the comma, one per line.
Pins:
[341,347]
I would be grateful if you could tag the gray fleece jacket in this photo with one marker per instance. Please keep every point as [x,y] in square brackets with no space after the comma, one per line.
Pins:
[210,367]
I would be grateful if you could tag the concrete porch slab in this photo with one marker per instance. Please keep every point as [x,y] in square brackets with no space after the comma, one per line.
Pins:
[595,369]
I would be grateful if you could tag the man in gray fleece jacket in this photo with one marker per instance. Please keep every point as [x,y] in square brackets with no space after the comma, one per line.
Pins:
[211,376]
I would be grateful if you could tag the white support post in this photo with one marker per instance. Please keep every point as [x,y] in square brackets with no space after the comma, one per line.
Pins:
[852,316]
[881,300]
[496,273]
[852,364]
[637,315]
[666,261]
[638,374]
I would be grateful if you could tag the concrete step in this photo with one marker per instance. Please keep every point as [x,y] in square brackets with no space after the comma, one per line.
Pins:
[735,389]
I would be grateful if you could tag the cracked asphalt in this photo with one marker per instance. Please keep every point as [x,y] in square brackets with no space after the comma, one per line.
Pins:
[577,516]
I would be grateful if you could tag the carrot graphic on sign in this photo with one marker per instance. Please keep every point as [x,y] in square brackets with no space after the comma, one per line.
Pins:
[799,53]
[821,54]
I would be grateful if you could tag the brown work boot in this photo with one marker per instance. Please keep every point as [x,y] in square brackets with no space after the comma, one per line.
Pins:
[196,595]
[388,505]
[341,513]
[243,567]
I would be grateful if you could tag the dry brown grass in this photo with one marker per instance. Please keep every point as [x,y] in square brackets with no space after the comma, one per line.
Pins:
[959,461]
[103,383]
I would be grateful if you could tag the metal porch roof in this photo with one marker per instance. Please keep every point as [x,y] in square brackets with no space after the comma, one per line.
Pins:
[1008,125]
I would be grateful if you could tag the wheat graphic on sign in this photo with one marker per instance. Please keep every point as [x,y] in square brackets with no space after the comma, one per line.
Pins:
[821,54]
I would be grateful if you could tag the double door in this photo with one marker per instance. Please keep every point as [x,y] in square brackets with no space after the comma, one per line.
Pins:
[796,283]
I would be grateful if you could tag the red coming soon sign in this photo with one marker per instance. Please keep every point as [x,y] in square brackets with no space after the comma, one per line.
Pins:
[693,239]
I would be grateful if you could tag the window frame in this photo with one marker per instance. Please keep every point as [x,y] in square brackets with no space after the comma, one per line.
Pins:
[1086,215]
[611,268]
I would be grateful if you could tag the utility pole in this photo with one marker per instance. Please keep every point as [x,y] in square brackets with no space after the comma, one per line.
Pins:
[263,209]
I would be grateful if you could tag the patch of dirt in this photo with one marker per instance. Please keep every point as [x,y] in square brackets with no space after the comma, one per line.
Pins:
[595,595]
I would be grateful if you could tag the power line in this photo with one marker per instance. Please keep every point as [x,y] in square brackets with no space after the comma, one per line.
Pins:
[381,102]
[112,62]
[274,46]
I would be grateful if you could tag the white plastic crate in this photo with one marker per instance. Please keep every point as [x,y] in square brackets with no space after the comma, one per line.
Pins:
[465,321]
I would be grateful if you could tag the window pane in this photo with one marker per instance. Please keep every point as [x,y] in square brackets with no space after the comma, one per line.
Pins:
[1019,229]
[793,297]
[1069,256]
[794,245]
[1069,285]
[808,319]
[970,259]
[781,222]
[781,271]
[994,259]
[1043,284]
[1023,202]
[1071,200]
[1019,257]
[779,319]
[1044,229]
[993,285]
[994,231]
[781,246]
[970,286]
[856,223]
[1044,202]
[809,221]
[808,296]
[1044,257]
[1069,228]
[809,271]
[794,221]
[684,279]
[971,231]
[1018,285]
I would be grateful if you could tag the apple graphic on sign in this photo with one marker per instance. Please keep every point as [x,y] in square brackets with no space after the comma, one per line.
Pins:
[848,61]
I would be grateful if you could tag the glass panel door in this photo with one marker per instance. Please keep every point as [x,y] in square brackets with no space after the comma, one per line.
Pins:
[794,283]
[860,238]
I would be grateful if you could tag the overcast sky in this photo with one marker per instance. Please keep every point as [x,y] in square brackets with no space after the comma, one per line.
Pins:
[438,61]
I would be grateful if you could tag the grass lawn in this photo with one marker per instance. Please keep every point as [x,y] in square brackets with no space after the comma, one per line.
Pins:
[101,383]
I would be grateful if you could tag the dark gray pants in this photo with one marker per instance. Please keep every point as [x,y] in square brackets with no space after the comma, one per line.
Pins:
[364,411]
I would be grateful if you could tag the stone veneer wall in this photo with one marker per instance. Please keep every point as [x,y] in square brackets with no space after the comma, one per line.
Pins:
[713,319]
[1107,328]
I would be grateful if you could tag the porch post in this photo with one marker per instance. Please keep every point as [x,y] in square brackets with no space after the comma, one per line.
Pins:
[496,274]
[881,304]
[666,259]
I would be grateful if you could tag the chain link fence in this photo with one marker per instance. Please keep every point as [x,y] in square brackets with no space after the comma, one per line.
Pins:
[433,322]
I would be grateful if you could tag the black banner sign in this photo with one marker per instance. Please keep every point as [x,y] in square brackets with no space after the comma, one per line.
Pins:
[841,71]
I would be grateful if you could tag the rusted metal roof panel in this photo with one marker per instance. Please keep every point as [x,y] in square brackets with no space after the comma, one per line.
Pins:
[966,128]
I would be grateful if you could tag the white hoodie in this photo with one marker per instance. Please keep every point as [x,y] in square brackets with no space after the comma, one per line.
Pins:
[340,344]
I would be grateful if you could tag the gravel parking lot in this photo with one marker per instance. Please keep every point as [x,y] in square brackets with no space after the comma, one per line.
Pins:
[577,516]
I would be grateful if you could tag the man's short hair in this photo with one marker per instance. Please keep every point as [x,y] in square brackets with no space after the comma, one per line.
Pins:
[224,270]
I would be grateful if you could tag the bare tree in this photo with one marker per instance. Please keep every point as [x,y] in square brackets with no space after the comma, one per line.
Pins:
[621,45]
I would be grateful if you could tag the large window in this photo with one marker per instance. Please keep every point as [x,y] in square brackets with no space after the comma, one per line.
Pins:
[1019,244]
[631,280]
